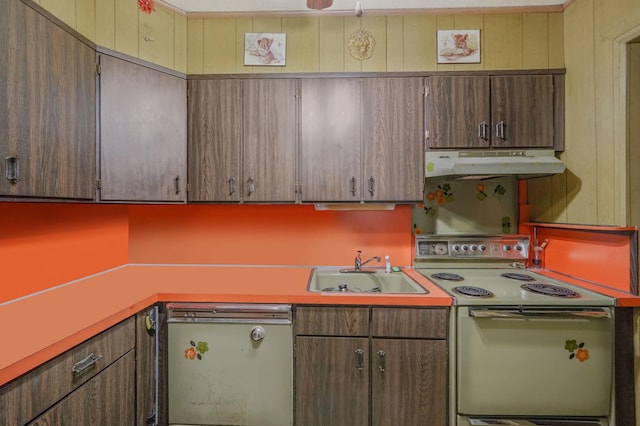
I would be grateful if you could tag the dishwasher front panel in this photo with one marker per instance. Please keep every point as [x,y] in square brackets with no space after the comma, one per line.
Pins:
[230,373]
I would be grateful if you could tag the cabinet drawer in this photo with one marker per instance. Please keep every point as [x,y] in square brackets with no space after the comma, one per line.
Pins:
[107,399]
[425,323]
[332,321]
[32,393]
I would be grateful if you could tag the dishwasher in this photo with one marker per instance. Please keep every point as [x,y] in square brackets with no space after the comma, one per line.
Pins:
[230,364]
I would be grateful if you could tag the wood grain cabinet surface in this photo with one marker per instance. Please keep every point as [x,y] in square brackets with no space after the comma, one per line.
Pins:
[242,140]
[379,366]
[143,133]
[47,113]
[500,111]
[362,139]
[35,392]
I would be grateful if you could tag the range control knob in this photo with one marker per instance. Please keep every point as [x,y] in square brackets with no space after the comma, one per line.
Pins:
[456,248]
[474,247]
[507,247]
[257,333]
[483,247]
[465,248]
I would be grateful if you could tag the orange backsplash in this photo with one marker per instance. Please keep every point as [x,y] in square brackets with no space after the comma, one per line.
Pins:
[603,255]
[266,235]
[43,245]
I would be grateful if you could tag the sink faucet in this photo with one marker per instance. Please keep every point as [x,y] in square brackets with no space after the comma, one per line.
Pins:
[359,263]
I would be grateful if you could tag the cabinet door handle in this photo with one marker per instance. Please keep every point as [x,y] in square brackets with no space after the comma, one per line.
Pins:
[176,184]
[250,186]
[11,169]
[84,364]
[381,361]
[372,185]
[482,130]
[232,185]
[359,359]
[353,185]
[501,130]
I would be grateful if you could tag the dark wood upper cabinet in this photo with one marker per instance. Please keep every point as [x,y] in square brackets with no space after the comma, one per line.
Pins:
[215,140]
[362,139]
[47,113]
[501,111]
[242,140]
[393,139]
[143,136]
[270,140]
[331,139]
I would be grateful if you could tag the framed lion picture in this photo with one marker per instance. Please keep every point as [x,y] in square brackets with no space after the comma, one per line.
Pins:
[268,49]
[458,46]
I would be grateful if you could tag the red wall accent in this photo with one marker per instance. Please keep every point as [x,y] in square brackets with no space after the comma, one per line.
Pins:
[266,235]
[43,245]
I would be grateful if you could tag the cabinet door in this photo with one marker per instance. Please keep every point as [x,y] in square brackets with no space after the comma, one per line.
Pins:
[143,138]
[270,140]
[332,381]
[145,371]
[105,400]
[331,139]
[458,112]
[215,139]
[393,139]
[409,382]
[47,113]
[522,111]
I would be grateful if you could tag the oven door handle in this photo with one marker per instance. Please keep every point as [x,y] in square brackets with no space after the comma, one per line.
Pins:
[591,313]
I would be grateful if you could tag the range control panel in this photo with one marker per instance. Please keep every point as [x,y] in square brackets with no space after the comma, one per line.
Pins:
[515,247]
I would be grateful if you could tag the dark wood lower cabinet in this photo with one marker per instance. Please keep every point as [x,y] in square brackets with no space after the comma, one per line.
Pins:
[371,366]
[106,400]
[332,381]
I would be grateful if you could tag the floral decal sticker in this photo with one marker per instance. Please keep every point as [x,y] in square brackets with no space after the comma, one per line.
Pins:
[147,6]
[440,196]
[481,194]
[196,350]
[576,350]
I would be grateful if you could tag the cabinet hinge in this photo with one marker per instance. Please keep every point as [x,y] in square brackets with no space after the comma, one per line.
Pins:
[98,184]
[426,91]
[426,134]
[98,69]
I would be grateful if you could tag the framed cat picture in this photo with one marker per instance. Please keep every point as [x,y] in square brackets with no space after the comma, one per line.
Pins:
[267,49]
[458,46]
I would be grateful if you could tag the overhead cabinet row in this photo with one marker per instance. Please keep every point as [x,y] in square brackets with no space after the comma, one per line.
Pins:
[359,139]
[87,126]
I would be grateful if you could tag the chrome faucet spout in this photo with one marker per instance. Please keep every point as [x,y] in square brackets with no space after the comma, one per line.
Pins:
[359,263]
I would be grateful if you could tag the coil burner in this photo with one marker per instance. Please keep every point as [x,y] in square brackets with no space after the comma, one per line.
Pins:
[550,290]
[448,276]
[517,276]
[473,291]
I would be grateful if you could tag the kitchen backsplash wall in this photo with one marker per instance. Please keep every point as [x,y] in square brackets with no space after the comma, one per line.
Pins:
[266,235]
[43,245]
[468,207]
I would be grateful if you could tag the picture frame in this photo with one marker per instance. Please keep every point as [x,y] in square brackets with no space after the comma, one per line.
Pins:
[265,49]
[458,46]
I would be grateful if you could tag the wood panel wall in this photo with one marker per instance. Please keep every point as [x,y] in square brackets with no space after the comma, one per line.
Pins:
[596,189]
[315,43]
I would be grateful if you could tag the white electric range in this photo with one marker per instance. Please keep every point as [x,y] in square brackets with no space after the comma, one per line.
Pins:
[526,349]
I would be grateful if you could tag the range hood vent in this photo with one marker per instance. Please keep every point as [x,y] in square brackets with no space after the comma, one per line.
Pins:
[524,164]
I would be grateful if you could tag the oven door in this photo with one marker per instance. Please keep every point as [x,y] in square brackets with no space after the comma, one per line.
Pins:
[534,361]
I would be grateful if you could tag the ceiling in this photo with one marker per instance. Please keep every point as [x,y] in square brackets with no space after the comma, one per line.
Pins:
[343,7]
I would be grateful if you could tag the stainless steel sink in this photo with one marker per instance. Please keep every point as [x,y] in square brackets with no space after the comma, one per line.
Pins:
[333,280]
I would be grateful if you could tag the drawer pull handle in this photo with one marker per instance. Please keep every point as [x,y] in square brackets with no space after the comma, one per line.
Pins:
[359,359]
[353,186]
[381,361]
[84,364]
[11,169]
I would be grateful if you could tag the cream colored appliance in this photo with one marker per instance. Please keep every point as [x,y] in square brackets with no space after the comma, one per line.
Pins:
[526,349]
[230,364]
[474,164]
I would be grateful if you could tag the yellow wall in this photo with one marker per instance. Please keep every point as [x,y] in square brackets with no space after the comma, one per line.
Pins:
[314,43]
[594,190]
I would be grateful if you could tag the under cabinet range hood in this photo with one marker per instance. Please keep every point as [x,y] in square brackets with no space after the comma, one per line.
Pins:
[524,164]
